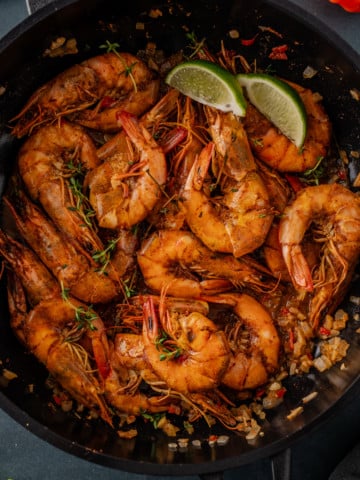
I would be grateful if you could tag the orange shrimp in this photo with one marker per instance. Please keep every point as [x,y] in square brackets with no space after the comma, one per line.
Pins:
[110,182]
[178,261]
[106,79]
[255,355]
[85,279]
[190,354]
[127,202]
[237,221]
[51,328]
[52,162]
[335,211]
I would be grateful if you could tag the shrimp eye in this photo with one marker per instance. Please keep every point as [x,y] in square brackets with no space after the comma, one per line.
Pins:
[190,335]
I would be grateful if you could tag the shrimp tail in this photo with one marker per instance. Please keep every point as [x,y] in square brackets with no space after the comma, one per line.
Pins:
[298,268]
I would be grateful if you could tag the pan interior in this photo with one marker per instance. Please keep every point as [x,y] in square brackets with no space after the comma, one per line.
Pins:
[93,22]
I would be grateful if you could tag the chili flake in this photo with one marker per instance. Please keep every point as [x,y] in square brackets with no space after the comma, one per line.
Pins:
[279,53]
[248,42]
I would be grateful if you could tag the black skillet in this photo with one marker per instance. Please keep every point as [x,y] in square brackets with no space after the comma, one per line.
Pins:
[92,22]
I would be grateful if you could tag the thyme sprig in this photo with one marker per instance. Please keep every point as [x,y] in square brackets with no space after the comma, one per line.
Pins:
[76,173]
[113,48]
[103,257]
[84,316]
[167,347]
[313,175]
[128,286]
[195,45]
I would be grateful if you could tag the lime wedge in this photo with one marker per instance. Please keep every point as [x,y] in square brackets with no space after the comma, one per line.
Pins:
[209,84]
[278,102]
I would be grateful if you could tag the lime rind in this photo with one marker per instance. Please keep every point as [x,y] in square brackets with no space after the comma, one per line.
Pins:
[278,102]
[209,84]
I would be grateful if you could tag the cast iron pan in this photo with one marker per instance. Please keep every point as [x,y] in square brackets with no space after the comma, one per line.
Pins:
[91,22]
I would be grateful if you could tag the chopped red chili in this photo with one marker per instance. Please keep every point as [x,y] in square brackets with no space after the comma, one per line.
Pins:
[248,42]
[107,102]
[279,52]
[295,182]
[324,331]
[284,311]
[281,392]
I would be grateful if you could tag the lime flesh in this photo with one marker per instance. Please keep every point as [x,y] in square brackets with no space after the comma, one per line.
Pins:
[278,102]
[209,84]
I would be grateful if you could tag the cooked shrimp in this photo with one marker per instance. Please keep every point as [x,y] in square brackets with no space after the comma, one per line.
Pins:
[151,120]
[35,277]
[236,222]
[49,338]
[169,213]
[105,119]
[178,261]
[122,392]
[127,202]
[52,162]
[273,148]
[274,258]
[84,279]
[108,183]
[189,352]
[253,340]
[16,298]
[105,78]
[50,329]
[28,280]
[335,211]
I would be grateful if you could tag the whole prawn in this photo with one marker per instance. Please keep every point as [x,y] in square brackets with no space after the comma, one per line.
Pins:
[129,204]
[237,221]
[175,259]
[83,277]
[52,162]
[122,385]
[335,211]
[122,178]
[106,79]
[253,339]
[189,352]
[50,330]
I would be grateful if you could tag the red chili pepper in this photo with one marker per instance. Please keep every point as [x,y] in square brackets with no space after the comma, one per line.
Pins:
[342,174]
[248,42]
[295,182]
[174,409]
[281,392]
[352,6]
[279,53]
[57,399]
[324,331]
[107,102]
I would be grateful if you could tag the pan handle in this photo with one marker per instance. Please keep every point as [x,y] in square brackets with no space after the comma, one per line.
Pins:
[281,465]
[212,476]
